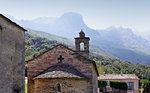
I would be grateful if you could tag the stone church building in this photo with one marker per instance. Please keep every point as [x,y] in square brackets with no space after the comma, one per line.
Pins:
[63,70]
[12,56]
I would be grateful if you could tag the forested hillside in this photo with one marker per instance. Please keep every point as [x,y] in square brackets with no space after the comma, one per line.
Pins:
[116,66]
[36,45]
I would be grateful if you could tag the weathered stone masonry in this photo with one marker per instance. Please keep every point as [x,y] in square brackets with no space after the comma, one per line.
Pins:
[12,59]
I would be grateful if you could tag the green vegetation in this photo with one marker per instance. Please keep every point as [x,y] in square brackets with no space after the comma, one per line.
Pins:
[116,66]
[119,85]
[102,83]
[51,37]
[146,85]
[26,88]
[36,45]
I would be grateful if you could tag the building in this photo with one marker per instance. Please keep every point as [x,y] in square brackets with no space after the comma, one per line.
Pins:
[131,79]
[12,56]
[63,70]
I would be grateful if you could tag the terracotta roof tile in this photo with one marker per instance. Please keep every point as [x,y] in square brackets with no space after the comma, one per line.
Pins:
[117,76]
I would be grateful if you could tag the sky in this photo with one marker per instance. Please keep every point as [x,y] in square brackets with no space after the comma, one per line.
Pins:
[97,14]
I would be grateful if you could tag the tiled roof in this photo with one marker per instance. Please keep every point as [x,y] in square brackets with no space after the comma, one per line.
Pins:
[61,70]
[117,76]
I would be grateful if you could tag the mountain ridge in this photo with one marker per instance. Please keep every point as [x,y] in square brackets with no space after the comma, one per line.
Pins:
[120,42]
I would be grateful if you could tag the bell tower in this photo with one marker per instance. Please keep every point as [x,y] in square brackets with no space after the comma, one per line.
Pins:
[82,40]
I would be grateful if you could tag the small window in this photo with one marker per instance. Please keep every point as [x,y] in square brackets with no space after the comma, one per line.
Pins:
[58,88]
[82,46]
[1,27]
[130,85]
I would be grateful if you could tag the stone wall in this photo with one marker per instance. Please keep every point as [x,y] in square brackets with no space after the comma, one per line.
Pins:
[12,59]
[49,58]
[95,81]
[67,85]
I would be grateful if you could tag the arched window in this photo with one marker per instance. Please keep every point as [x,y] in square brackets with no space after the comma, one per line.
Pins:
[81,46]
[58,88]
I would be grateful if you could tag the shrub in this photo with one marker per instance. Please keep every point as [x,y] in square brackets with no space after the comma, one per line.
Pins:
[119,85]
[146,85]
[102,83]
[149,78]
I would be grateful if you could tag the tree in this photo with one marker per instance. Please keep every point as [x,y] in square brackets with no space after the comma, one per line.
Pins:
[146,85]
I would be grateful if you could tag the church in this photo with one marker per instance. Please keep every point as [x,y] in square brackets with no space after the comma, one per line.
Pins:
[64,70]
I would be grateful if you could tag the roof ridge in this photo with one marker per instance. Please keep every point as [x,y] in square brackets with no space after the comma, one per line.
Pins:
[12,22]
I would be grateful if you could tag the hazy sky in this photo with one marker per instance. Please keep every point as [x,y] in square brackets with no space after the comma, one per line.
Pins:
[97,14]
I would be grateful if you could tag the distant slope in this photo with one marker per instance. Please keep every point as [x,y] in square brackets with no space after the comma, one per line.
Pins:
[93,49]
[120,42]
[50,36]
[126,45]
[34,45]
[116,66]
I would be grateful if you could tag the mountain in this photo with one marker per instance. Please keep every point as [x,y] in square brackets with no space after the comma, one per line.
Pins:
[145,35]
[124,44]
[120,42]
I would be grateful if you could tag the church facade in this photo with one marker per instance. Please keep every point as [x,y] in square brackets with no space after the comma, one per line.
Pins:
[12,56]
[63,70]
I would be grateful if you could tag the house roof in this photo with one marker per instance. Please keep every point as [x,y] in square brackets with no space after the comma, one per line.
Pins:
[61,70]
[93,62]
[12,22]
[117,76]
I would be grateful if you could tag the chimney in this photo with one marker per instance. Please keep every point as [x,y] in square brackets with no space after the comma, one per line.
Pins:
[121,73]
[104,73]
